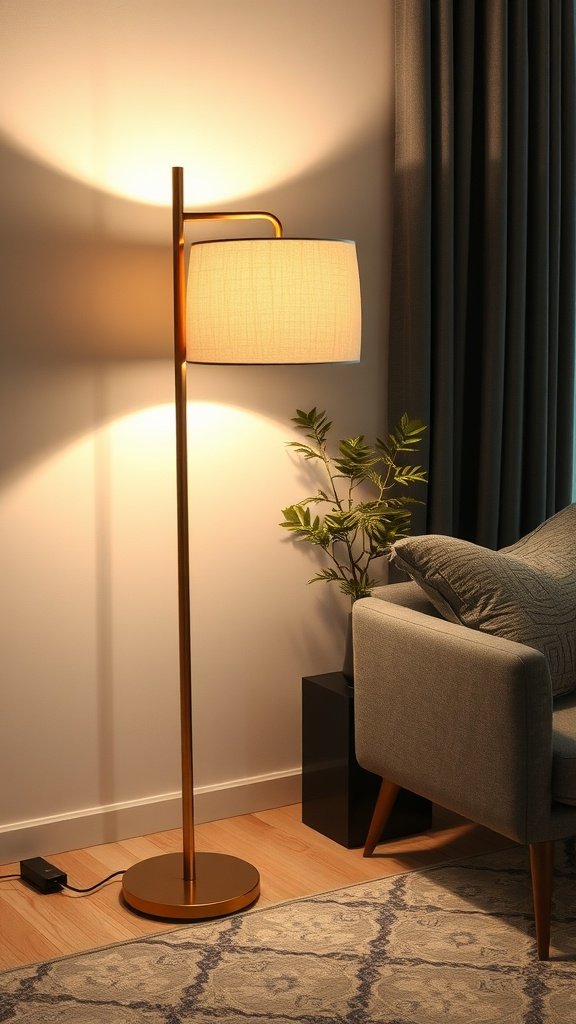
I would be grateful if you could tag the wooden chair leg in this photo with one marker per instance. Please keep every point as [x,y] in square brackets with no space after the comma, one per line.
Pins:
[384,804]
[542,872]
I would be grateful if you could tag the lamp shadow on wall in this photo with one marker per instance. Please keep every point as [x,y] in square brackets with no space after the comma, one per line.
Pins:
[86,285]
[74,298]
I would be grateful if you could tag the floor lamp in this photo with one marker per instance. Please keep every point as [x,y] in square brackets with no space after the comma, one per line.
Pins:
[257,300]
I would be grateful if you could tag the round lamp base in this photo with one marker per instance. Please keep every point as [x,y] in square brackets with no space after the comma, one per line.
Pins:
[222,885]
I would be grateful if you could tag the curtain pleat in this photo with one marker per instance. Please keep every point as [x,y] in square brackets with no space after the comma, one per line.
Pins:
[484,270]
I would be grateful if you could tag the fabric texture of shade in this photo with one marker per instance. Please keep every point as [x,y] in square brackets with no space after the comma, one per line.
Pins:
[281,300]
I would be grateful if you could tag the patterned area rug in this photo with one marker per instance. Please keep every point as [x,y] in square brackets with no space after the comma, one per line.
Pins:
[451,944]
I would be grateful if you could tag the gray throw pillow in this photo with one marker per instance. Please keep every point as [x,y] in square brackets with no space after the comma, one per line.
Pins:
[526,592]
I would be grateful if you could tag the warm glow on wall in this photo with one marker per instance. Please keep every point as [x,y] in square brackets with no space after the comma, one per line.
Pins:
[226,426]
[236,91]
[142,438]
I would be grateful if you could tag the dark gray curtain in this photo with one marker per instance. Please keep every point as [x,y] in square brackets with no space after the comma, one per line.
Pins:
[482,332]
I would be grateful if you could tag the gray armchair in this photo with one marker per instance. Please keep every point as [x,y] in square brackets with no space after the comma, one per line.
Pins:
[468,720]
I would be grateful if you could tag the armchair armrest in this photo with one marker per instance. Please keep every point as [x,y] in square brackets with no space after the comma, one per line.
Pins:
[455,715]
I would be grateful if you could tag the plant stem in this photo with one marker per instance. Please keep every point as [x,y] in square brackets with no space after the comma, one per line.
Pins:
[346,541]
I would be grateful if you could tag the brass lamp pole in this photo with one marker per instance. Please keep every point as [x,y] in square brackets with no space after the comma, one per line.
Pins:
[191,885]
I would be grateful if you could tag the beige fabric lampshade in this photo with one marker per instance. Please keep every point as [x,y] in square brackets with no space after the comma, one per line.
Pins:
[273,300]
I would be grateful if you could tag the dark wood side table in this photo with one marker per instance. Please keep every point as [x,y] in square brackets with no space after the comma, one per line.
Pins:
[338,796]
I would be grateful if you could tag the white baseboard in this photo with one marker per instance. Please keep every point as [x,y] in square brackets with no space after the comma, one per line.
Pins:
[92,826]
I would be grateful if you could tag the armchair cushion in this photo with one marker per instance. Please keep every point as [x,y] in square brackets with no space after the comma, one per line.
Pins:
[525,592]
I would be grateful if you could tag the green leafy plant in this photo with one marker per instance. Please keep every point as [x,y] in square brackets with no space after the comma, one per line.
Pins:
[368,510]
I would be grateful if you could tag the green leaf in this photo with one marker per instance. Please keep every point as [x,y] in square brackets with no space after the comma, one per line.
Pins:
[313,423]
[341,522]
[406,436]
[376,479]
[315,499]
[296,518]
[357,589]
[356,458]
[324,574]
[304,449]
[409,474]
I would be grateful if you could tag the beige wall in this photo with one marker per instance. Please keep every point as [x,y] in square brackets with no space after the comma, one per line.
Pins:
[280,104]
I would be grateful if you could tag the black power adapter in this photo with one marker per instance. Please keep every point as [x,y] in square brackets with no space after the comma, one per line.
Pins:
[41,875]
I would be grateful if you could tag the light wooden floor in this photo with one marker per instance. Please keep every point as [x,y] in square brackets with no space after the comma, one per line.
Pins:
[293,861]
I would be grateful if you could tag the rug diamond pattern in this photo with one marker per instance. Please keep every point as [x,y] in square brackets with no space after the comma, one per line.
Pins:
[452,943]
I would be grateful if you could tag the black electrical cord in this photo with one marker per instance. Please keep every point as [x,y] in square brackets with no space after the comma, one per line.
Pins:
[92,887]
[64,885]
